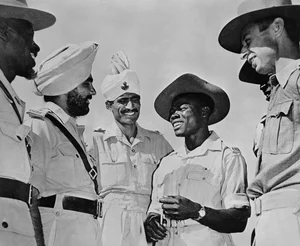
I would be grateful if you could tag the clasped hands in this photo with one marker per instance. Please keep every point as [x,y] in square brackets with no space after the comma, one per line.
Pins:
[175,208]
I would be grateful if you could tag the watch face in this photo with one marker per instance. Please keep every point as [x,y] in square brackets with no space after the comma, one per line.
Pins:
[202,212]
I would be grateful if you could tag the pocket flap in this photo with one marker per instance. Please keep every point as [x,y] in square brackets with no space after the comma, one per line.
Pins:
[15,132]
[281,109]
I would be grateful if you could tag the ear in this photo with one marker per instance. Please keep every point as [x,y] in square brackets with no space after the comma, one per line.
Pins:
[4,31]
[205,111]
[278,26]
[108,105]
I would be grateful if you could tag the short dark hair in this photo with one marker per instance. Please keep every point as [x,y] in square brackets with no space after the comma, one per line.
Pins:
[202,99]
[290,25]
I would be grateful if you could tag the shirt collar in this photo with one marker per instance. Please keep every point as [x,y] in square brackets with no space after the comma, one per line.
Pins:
[64,117]
[114,131]
[284,75]
[11,89]
[213,142]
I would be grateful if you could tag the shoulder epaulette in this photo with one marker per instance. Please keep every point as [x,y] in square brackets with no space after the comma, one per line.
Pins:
[235,150]
[100,130]
[38,113]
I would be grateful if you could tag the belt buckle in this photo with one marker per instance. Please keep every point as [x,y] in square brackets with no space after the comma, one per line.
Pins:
[258,206]
[93,173]
[98,212]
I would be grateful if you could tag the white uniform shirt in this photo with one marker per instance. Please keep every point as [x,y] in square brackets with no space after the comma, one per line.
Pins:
[126,167]
[58,167]
[212,175]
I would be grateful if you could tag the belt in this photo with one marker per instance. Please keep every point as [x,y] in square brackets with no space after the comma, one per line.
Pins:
[78,204]
[276,200]
[15,189]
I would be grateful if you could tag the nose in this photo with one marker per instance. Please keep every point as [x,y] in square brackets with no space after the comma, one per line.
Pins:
[93,90]
[35,48]
[129,104]
[244,54]
[174,116]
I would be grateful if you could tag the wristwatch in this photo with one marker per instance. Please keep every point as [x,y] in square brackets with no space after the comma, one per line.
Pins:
[201,214]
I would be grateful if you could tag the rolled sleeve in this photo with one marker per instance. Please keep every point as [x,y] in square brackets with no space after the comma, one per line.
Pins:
[235,183]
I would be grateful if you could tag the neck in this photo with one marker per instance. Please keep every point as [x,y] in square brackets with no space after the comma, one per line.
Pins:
[196,140]
[129,131]
[288,53]
[7,71]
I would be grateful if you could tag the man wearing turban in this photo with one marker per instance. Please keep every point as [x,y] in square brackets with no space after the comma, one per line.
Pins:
[128,154]
[62,171]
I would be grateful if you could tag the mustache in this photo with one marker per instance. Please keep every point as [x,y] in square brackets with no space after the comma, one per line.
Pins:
[129,110]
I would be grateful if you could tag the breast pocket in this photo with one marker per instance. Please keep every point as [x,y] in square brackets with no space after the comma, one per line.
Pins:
[198,186]
[113,172]
[62,166]
[279,131]
[148,166]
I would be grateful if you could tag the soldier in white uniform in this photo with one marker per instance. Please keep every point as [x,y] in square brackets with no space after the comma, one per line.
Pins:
[63,173]
[128,155]
[200,189]
[18,50]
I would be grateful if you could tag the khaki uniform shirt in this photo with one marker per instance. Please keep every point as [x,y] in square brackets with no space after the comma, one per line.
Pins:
[212,175]
[126,167]
[58,167]
[14,162]
[279,158]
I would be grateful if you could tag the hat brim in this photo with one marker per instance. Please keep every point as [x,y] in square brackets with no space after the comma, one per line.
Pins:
[249,75]
[38,18]
[189,83]
[230,35]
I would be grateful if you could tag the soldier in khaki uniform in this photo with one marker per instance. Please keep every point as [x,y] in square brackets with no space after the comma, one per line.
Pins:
[63,172]
[18,50]
[200,189]
[267,35]
[128,154]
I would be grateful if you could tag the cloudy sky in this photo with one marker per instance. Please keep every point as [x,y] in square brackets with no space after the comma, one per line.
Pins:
[163,40]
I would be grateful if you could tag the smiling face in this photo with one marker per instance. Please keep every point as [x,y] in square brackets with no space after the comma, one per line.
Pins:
[77,101]
[187,115]
[259,48]
[125,108]
[21,48]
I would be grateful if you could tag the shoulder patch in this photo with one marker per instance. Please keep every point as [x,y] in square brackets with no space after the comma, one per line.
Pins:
[38,113]
[100,130]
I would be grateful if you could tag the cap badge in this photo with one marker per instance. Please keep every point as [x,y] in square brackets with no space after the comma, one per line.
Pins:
[125,86]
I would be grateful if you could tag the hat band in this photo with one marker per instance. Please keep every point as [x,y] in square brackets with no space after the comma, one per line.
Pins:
[17,3]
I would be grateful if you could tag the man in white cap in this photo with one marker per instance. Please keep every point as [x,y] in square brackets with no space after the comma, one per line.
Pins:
[267,34]
[18,50]
[128,155]
[199,191]
[62,171]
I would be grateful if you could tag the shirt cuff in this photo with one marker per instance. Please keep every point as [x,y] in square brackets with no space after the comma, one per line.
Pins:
[237,200]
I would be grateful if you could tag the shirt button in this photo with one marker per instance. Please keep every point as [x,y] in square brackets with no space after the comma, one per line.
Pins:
[133,150]
[57,213]
[203,178]
[4,224]
[135,166]
[77,155]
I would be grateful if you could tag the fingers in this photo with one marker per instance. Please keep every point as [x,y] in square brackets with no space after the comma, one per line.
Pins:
[155,231]
[169,200]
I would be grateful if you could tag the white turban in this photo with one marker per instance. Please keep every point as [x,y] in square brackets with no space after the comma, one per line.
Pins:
[120,78]
[65,69]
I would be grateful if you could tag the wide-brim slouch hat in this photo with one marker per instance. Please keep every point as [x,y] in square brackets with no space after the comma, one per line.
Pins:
[190,83]
[121,79]
[65,69]
[250,11]
[18,9]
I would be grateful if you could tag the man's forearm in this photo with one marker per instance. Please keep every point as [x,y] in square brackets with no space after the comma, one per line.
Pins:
[226,220]
[36,219]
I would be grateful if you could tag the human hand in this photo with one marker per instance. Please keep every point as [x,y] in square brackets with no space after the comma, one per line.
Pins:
[153,229]
[179,207]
